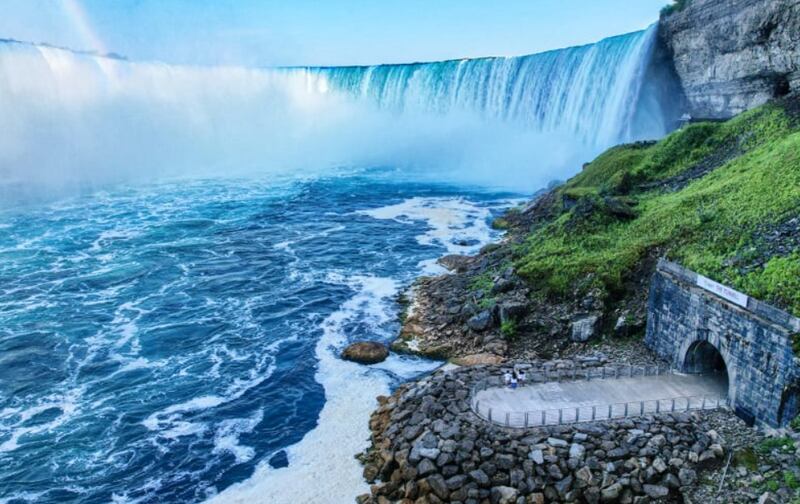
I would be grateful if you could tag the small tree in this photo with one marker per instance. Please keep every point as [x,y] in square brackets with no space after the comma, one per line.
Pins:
[675,6]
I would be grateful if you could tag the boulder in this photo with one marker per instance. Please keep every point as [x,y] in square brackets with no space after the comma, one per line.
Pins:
[479,360]
[504,495]
[512,311]
[656,491]
[366,352]
[481,321]
[585,328]
[454,262]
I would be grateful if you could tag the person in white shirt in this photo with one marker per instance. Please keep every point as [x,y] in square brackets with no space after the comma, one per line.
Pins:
[507,377]
[521,377]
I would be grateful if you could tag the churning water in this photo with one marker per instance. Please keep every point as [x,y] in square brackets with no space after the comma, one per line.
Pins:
[160,343]
[176,341]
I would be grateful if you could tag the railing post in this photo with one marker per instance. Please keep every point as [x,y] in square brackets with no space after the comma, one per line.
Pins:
[704,402]
[658,406]
[630,371]
[490,414]
[560,416]
[626,410]
[574,372]
[594,412]
[577,414]
[603,370]
[544,418]
[508,415]
[641,407]
[673,405]
[526,419]
[616,372]
[610,409]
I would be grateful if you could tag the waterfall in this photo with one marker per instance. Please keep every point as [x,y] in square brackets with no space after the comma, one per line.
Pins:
[76,120]
[592,91]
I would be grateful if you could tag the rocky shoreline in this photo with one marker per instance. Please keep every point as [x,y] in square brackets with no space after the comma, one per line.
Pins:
[428,446]
[483,312]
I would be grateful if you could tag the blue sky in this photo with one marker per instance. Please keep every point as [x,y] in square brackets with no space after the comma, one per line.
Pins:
[320,32]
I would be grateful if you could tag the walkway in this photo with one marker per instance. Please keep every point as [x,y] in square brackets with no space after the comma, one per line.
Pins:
[580,400]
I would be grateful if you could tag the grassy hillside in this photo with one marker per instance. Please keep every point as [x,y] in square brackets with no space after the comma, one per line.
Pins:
[711,196]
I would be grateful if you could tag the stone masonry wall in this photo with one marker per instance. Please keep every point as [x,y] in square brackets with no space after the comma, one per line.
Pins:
[754,340]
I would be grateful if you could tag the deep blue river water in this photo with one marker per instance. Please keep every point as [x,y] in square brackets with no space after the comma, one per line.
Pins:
[163,343]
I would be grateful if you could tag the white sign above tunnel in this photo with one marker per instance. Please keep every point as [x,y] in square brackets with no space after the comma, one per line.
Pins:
[722,291]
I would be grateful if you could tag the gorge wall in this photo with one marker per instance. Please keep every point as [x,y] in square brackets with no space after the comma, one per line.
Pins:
[733,55]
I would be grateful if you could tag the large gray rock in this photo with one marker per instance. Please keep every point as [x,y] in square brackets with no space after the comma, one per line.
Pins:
[504,495]
[481,321]
[366,352]
[585,328]
[733,55]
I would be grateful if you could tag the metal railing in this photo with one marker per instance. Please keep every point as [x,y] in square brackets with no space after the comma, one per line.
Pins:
[583,414]
[548,374]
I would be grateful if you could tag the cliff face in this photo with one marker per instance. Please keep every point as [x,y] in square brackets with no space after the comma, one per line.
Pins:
[734,55]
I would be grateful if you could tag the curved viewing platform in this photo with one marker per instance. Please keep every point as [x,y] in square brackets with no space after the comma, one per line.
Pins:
[567,397]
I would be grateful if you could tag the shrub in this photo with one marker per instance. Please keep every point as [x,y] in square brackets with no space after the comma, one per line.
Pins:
[784,444]
[500,224]
[508,328]
[677,6]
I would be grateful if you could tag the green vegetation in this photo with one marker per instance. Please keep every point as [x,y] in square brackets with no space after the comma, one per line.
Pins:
[790,480]
[482,282]
[776,443]
[508,329]
[698,196]
[676,6]
[779,281]
[500,224]
[746,458]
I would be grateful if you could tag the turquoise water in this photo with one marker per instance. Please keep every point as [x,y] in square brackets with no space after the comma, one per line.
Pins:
[178,341]
[158,343]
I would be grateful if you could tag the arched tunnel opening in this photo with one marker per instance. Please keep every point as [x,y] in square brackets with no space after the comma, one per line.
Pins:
[704,359]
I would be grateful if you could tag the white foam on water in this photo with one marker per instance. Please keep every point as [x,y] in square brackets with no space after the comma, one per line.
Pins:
[169,421]
[226,438]
[183,429]
[67,404]
[107,237]
[167,415]
[456,224]
[23,496]
[322,468]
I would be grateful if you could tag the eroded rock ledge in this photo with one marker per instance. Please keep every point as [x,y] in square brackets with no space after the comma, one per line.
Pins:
[428,447]
[733,55]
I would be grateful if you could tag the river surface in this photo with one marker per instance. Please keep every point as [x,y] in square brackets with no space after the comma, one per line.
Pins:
[180,341]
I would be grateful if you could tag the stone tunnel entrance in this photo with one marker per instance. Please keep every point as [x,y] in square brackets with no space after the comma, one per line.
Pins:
[703,358]
[706,329]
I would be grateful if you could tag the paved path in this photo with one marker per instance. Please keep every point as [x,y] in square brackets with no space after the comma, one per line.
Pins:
[583,395]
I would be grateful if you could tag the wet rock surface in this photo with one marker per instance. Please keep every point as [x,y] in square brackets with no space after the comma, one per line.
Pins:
[366,352]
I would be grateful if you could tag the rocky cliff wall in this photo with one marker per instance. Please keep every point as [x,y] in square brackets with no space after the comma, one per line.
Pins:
[733,55]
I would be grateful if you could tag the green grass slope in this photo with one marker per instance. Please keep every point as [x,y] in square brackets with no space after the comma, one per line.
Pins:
[705,197]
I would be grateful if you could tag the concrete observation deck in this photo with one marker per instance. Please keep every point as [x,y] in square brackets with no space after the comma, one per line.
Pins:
[564,402]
